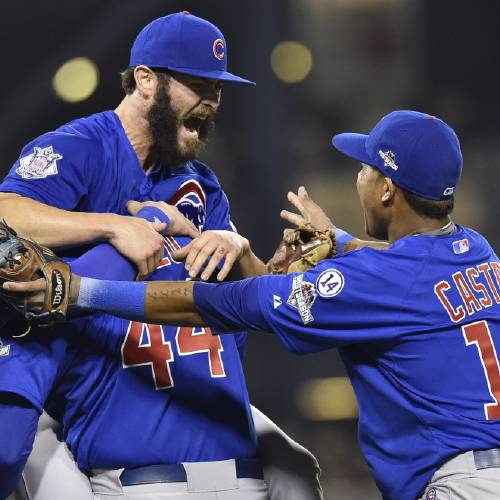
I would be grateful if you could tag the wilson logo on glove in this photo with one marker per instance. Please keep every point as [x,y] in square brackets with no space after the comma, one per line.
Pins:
[58,288]
[22,259]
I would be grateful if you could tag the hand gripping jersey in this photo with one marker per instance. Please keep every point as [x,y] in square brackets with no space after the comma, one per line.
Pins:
[418,328]
[128,394]
[131,394]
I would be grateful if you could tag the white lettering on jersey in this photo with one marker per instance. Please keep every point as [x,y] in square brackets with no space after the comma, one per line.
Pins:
[330,283]
[39,164]
[302,298]
[475,295]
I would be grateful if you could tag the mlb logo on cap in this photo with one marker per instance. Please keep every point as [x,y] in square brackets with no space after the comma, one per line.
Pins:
[461,246]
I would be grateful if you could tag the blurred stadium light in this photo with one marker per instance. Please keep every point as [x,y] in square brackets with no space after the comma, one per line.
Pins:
[327,399]
[76,80]
[291,61]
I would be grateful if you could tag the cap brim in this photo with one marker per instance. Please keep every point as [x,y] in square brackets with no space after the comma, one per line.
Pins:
[223,76]
[353,145]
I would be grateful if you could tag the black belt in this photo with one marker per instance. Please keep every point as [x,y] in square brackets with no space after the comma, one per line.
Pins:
[175,473]
[484,459]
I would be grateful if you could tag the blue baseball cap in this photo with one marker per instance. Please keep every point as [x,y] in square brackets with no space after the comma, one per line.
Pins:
[184,43]
[419,152]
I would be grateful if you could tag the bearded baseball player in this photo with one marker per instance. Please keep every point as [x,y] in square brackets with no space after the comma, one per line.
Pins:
[416,324]
[72,186]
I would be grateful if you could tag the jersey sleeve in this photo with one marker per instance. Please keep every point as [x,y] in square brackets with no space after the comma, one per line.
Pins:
[53,169]
[342,301]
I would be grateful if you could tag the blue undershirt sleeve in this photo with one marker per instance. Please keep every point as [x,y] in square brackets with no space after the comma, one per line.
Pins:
[18,421]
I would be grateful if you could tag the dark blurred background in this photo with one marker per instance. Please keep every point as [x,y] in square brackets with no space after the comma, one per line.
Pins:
[322,66]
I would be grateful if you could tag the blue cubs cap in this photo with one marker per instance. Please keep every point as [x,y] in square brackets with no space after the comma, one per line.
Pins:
[419,152]
[184,43]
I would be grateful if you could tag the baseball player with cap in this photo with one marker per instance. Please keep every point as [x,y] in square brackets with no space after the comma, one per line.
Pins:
[417,325]
[70,187]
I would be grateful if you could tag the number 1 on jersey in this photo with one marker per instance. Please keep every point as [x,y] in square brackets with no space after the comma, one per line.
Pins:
[479,333]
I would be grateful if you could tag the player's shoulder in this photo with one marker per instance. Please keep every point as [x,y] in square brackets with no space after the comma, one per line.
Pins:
[79,136]
[390,266]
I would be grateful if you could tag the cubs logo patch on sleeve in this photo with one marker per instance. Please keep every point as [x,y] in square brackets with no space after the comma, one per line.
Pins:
[302,298]
[39,164]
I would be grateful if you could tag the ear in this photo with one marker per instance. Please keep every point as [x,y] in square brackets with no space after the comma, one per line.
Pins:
[388,191]
[146,81]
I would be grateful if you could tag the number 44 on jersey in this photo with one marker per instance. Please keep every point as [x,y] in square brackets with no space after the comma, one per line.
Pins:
[145,344]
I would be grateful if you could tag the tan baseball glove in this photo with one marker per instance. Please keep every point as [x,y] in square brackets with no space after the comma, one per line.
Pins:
[301,249]
[22,259]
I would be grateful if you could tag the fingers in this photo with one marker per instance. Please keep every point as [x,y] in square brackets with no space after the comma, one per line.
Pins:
[182,253]
[159,227]
[188,229]
[202,255]
[214,262]
[296,202]
[291,217]
[302,193]
[142,270]
[133,207]
[226,268]
[25,286]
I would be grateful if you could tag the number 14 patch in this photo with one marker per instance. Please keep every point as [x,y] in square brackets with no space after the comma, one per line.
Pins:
[330,283]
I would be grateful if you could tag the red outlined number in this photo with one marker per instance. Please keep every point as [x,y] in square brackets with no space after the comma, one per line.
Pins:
[145,345]
[198,340]
[479,333]
[155,352]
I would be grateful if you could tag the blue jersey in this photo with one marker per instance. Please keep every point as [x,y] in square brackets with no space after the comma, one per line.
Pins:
[89,165]
[418,328]
[127,394]
[175,394]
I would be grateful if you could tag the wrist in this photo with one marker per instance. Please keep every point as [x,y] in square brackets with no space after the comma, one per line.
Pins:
[154,214]
[108,226]
[246,250]
[74,289]
[342,238]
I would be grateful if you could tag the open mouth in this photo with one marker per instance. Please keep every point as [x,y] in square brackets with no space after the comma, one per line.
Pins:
[193,125]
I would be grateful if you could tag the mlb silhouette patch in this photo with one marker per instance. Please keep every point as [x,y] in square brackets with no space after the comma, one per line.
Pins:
[39,164]
[461,246]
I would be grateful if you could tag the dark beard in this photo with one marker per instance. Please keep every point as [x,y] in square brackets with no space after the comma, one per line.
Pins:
[164,125]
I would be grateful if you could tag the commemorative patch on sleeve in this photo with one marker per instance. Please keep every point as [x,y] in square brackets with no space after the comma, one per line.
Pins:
[39,164]
[330,283]
[302,298]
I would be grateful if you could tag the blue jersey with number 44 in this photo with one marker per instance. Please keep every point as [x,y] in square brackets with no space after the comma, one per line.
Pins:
[418,328]
[128,394]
